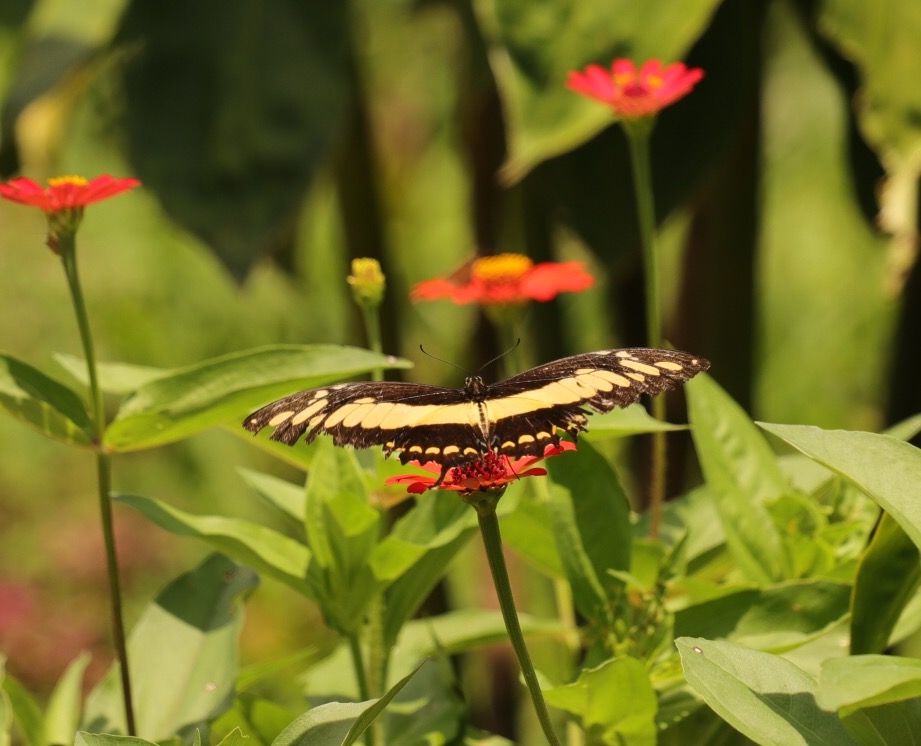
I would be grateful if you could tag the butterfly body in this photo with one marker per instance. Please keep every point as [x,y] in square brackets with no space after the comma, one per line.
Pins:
[516,417]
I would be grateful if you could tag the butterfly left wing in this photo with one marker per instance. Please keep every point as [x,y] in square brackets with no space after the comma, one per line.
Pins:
[527,411]
[419,422]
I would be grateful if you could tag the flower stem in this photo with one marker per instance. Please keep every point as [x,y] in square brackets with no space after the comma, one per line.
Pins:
[485,505]
[638,133]
[358,663]
[68,249]
[372,318]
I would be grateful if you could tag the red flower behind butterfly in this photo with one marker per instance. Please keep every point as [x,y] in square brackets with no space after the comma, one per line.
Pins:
[633,93]
[65,192]
[492,472]
[506,279]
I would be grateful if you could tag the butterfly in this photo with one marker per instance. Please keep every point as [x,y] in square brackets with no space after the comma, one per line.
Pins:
[516,417]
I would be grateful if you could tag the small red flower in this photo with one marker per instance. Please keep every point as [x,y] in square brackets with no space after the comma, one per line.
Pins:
[65,192]
[492,472]
[633,94]
[505,279]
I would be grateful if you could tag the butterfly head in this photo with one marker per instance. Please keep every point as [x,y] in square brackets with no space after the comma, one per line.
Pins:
[474,386]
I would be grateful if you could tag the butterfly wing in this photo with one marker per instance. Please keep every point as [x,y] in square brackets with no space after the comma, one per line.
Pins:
[424,423]
[527,411]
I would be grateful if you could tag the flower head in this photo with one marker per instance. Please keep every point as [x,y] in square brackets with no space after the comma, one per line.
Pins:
[506,279]
[64,198]
[631,93]
[494,471]
[367,282]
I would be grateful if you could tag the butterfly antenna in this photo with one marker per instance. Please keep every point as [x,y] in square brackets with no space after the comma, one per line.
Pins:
[442,360]
[501,355]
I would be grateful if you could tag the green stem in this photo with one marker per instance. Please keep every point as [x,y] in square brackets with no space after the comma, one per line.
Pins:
[372,319]
[68,249]
[358,663]
[485,504]
[638,134]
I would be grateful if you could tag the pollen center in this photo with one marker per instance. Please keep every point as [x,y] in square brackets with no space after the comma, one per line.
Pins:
[491,467]
[57,181]
[501,268]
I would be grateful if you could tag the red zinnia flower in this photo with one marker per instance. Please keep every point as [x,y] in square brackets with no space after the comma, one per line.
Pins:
[506,278]
[491,472]
[633,94]
[65,192]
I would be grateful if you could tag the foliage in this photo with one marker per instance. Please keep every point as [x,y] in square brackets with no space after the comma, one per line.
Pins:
[779,600]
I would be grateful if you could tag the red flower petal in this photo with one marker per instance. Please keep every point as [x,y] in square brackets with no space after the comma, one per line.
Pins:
[64,193]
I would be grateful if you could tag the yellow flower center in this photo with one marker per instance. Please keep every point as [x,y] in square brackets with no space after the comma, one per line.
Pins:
[501,268]
[654,81]
[57,181]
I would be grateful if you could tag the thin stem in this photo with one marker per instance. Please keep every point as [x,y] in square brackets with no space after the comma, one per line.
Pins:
[358,663]
[68,248]
[492,541]
[373,330]
[638,133]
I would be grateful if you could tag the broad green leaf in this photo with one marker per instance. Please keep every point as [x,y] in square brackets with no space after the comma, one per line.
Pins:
[742,473]
[105,739]
[528,530]
[337,723]
[428,709]
[260,547]
[25,712]
[591,521]
[282,494]
[532,47]
[887,577]
[260,720]
[62,713]
[342,530]
[764,696]
[431,534]
[881,40]
[859,681]
[114,378]
[183,653]
[887,724]
[614,701]
[774,618]
[215,391]
[633,420]
[886,469]
[42,403]
[256,673]
[235,174]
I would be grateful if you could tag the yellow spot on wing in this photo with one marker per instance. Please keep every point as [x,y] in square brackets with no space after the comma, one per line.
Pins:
[279,418]
[508,444]
[669,365]
[309,412]
[637,377]
[526,438]
[641,367]
[449,450]
[434,450]
[415,449]
[615,378]
[357,417]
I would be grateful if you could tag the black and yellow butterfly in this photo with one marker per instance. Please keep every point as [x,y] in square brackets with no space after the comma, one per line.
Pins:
[517,417]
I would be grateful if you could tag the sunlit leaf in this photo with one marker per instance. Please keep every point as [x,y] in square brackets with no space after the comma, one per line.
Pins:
[62,713]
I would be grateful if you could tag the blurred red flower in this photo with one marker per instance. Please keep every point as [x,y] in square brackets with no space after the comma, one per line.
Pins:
[631,93]
[491,472]
[506,278]
[65,192]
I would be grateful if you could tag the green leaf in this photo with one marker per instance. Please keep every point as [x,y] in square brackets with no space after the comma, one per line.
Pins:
[63,711]
[282,494]
[764,696]
[619,423]
[591,521]
[884,725]
[598,698]
[887,577]
[42,403]
[434,531]
[114,378]
[534,45]
[742,474]
[260,720]
[236,737]
[213,392]
[183,653]
[342,530]
[886,469]
[859,681]
[262,548]
[428,709]
[236,173]
[25,712]
[105,739]
[775,618]
[528,530]
[6,709]
[337,723]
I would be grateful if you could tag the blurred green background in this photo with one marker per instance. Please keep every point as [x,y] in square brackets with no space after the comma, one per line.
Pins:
[277,140]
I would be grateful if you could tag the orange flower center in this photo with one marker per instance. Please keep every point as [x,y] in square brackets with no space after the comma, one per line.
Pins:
[58,181]
[501,268]
[654,81]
